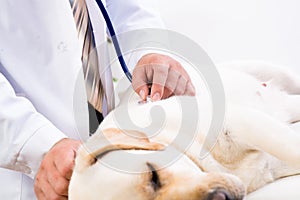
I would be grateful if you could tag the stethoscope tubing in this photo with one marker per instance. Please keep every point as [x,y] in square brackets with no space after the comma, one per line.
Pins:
[114,40]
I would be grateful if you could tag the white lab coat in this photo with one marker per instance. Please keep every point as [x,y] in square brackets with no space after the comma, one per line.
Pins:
[40,68]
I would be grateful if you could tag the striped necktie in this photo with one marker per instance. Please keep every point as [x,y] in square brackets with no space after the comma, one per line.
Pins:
[94,87]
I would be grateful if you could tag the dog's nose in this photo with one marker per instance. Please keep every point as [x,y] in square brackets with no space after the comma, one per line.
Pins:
[218,195]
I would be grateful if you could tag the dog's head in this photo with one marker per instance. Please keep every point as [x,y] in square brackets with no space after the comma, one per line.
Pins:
[94,179]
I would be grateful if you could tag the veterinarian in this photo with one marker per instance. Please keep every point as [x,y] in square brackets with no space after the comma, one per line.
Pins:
[40,58]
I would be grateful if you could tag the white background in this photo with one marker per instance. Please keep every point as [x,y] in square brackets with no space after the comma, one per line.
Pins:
[229,30]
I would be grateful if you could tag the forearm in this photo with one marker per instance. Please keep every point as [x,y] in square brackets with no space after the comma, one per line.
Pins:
[25,135]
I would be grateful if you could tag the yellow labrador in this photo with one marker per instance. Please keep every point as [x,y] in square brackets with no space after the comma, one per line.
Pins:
[256,147]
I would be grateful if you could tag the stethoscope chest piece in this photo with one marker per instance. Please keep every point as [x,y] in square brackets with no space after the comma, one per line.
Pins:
[148,100]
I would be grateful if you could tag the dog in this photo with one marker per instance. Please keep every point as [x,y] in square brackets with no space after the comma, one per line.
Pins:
[256,145]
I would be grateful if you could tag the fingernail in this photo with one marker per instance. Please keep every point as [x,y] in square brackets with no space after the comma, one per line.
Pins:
[156,97]
[142,94]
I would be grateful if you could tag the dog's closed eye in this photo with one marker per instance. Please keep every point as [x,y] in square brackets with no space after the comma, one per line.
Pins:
[154,177]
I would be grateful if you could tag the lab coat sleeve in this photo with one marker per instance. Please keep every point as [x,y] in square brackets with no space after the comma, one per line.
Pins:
[24,133]
[132,15]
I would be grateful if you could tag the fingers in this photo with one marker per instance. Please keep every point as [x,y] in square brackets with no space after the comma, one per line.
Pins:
[165,75]
[181,85]
[140,77]
[190,89]
[58,182]
[160,74]
[52,179]
[47,191]
[65,167]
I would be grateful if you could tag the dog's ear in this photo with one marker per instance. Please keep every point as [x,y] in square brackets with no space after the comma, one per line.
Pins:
[110,140]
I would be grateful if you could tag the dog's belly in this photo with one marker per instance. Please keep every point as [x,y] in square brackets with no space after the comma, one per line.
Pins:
[254,167]
[239,157]
[243,89]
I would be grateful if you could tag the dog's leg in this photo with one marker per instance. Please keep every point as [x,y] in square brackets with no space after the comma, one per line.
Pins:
[279,77]
[263,132]
[293,108]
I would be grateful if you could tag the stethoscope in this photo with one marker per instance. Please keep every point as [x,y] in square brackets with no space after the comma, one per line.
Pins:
[114,40]
[117,46]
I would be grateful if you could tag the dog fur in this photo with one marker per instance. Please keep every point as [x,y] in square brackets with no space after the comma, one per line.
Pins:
[256,146]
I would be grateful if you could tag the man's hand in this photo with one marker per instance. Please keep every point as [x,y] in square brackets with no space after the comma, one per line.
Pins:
[163,75]
[52,179]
